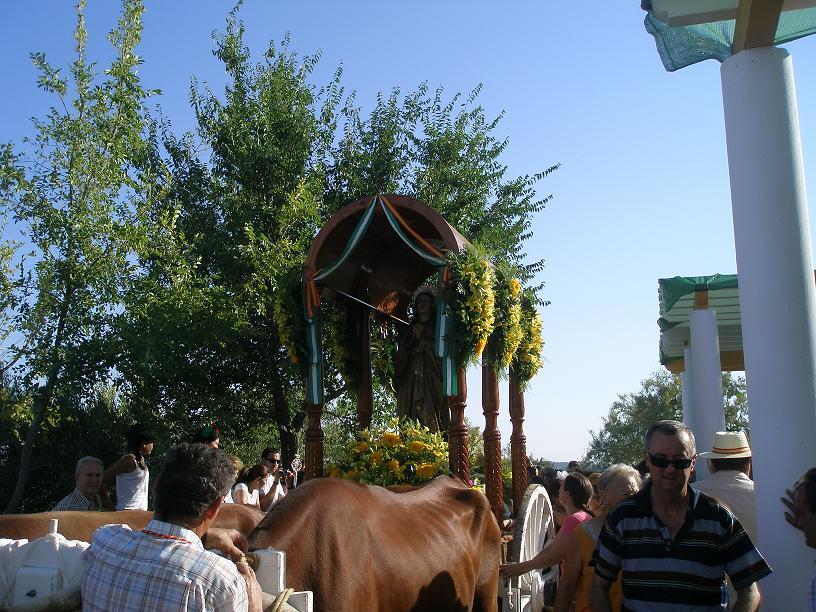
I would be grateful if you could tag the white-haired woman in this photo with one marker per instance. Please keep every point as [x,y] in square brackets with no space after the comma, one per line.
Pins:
[614,485]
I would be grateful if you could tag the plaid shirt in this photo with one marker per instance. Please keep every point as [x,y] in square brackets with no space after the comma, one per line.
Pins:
[133,571]
[77,501]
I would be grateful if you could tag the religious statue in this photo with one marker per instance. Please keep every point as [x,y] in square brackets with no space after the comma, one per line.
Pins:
[417,369]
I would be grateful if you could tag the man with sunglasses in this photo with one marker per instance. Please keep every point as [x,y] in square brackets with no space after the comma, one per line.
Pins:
[275,487]
[672,544]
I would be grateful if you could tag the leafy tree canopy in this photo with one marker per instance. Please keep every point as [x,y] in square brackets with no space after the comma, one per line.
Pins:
[620,439]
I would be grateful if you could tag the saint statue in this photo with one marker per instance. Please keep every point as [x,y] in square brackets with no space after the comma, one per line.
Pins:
[417,369]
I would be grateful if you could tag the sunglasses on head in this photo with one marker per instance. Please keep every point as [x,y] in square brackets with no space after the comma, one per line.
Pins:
[662,462]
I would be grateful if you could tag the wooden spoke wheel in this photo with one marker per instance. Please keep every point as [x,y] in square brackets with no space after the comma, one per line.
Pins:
[534,528]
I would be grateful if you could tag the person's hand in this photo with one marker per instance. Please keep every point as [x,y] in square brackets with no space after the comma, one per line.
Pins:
[254,593]
[231,542]
[790,502]
[510,570]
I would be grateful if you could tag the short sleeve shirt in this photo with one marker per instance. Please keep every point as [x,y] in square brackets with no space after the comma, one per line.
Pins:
[162,568]
[661,573]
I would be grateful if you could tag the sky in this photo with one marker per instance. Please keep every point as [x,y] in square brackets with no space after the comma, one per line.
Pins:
[642,192]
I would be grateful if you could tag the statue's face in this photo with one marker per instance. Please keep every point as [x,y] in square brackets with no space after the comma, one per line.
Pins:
[423,304]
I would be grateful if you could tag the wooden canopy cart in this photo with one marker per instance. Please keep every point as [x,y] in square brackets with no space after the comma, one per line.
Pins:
[376,252]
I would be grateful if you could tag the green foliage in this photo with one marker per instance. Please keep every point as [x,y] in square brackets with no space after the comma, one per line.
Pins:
[527,358]
[621,437]
[507,331]
[471,303]
[170,263]
[70,194]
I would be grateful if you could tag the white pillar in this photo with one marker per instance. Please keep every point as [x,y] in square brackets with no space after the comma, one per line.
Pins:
[686,386]
[709,415]
[776,287]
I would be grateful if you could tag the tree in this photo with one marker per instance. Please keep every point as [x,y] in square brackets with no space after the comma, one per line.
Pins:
[620,439]
[239,203]
[70,194]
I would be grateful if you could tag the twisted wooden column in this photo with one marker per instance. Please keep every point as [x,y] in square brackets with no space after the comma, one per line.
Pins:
[518,442]
[314,442]
[457,430]
[492,442]
[365,401]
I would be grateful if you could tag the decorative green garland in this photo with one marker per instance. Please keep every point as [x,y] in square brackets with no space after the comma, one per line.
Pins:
[527,360]
[400,452]
[507,333]
[287,312]
[471,304]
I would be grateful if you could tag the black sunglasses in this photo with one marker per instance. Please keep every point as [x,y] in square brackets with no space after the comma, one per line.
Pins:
[662,462]
[272,460]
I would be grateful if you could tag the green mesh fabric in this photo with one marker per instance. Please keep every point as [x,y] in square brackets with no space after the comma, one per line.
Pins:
[682,46]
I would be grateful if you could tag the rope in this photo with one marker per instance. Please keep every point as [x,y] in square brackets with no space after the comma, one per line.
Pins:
[281,599]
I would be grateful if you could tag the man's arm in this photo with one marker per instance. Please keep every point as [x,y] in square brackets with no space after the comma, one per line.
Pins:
[599,595]
[747,599]
[254,593]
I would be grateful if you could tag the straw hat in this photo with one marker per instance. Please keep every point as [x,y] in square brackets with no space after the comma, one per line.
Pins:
[728,445]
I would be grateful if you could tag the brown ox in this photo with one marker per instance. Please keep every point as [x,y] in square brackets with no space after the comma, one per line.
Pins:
[81,525]
[366,548]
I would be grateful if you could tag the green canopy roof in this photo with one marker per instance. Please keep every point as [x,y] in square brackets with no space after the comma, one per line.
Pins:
[676,297]
[681,44]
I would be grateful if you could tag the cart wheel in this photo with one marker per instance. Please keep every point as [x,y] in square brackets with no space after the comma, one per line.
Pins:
[534,528]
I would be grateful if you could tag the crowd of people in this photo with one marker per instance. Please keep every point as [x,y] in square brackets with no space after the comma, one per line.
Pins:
[261,485]
[625,541]
[657,540]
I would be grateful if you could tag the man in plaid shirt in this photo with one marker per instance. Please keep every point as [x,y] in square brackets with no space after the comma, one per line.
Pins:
[85,496]
[165,567]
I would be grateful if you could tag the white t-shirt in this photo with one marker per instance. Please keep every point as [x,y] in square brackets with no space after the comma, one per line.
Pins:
[253,497]
[267,486]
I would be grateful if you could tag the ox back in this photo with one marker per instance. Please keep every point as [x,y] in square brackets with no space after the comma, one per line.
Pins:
[361,547]
[81,525]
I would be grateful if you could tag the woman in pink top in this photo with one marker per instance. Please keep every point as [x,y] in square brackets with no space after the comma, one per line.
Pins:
[574,495]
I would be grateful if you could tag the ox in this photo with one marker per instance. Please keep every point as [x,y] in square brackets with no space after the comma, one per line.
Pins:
[361,547]
[81,525]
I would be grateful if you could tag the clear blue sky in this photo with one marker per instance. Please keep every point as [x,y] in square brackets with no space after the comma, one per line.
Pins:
[643,189]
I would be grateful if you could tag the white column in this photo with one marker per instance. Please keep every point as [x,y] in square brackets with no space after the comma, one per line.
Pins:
[709,415]
[686,386]
[776,288]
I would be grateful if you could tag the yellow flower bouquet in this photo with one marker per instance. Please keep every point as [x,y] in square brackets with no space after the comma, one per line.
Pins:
[400,452]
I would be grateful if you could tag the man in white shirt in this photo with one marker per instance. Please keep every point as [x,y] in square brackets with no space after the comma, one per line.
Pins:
[276,486]
[729,461]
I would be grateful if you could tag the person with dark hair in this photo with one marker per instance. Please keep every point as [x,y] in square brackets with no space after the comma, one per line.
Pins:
[614,485]
[801,502]
[130,472]
[210,435]
[85,496]
[673,545]
[574,496]
[278,482]
[165,566]
[247,488]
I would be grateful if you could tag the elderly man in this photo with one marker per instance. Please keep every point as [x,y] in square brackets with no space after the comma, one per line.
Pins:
[673,544]
[729,462]
[165,567]
[88,479]
[801,502]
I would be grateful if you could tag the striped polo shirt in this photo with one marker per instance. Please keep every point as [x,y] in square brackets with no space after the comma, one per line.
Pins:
[686,573]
